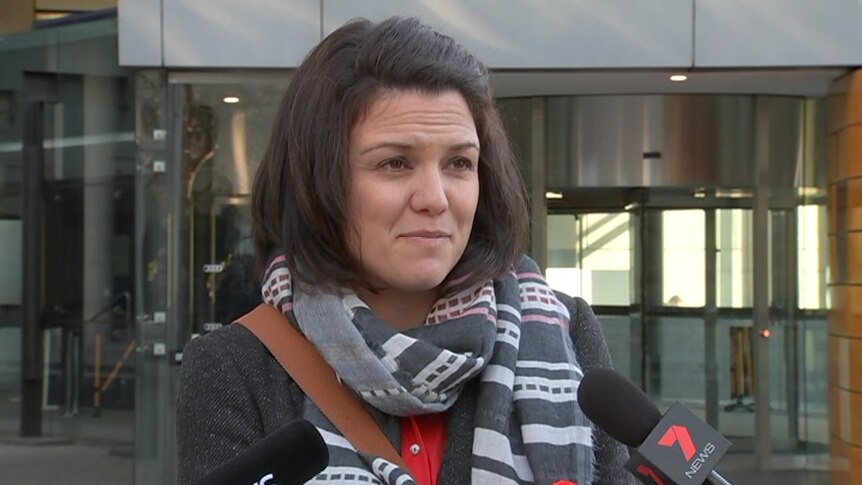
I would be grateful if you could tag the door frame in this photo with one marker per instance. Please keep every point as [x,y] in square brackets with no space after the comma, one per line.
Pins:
[39,90]
[639,200]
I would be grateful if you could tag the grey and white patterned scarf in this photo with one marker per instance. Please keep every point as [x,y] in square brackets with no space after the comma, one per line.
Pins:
[511,333]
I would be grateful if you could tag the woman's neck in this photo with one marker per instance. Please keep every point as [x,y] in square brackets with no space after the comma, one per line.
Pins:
[402,309]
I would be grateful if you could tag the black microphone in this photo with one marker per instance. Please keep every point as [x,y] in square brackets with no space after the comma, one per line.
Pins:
[675,448]
[292,455]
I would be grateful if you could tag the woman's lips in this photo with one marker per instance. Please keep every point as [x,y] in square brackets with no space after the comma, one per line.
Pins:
[427,234]
[430,238]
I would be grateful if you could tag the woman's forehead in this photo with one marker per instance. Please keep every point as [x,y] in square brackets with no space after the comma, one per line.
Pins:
[416,113]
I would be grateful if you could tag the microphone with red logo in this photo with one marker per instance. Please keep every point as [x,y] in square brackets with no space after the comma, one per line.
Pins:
[677,448]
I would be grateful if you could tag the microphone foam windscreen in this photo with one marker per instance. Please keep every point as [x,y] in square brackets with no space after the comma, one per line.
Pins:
[617,406]
[293,454]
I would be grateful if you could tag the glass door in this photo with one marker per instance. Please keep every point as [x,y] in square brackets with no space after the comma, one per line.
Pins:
[590,254]
[200,138]
[88,217]
[672,282]
[698,312]
[225,131]
[78,336]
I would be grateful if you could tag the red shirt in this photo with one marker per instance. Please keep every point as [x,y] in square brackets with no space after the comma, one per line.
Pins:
[423,443]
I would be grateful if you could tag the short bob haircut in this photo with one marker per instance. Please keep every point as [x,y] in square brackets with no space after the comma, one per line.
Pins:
[300,189]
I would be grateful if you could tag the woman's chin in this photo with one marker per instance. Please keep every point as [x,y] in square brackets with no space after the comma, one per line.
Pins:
[419,281]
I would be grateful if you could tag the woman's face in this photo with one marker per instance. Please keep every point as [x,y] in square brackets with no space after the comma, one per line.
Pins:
[414,188]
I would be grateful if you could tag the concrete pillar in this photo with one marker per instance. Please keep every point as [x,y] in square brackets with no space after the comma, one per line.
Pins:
[99,165]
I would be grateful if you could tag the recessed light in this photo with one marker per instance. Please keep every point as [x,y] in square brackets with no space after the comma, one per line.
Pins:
[231,99]
[553,195]
[678,78]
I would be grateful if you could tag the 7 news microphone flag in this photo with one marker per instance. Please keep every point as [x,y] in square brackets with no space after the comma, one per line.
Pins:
[670,449]
[680,449]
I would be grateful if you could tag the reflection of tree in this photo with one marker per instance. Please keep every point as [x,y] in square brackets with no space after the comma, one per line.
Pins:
[199,127]
[237,291]
[150,113]
[150,119]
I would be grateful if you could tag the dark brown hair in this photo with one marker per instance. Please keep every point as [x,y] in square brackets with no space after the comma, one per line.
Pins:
[299,192]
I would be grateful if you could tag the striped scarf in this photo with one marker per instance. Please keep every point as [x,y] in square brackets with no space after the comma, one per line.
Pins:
[511,333]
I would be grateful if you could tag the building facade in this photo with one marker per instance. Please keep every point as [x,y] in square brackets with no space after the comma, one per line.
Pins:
[711,222]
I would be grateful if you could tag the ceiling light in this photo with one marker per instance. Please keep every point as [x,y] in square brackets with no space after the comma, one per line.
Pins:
[678,78]
[231,99]
[810,191]
[734,193]
[553,195]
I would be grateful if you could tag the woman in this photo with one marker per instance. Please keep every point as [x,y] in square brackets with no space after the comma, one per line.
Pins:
[389,220]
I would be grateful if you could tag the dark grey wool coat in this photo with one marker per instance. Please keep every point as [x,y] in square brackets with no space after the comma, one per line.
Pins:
[233,393]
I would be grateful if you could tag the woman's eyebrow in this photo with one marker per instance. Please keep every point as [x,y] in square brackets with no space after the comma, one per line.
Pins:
[465,145]
[386,144]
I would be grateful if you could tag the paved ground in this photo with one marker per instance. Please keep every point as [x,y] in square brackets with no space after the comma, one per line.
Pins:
[784,477]
[63,462]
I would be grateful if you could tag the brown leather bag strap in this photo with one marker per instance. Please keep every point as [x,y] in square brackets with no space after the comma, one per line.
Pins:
[316,378]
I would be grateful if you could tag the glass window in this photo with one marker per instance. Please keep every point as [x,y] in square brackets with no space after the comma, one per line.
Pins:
[86,226]
[606,257]
[11,266]
[734,258]
[225,133]
[564,267]
[589,255]
[684,268]
[811,233]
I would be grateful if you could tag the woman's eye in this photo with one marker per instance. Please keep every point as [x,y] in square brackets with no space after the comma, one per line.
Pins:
[462,163]
[395,164]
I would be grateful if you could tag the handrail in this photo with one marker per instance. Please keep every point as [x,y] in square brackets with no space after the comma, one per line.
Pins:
[110,306]
[98,387]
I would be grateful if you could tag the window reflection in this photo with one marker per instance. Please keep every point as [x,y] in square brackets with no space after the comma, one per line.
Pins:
[683,269]
[734,259]
[812,255]
[226,129]
[589,255]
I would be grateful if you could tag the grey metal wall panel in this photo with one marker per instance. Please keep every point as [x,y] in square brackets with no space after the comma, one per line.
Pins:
[547,33]
[731,33]
[140,32]
[233,33]
[674,140]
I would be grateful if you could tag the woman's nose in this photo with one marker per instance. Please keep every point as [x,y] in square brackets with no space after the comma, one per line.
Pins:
[429,191]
